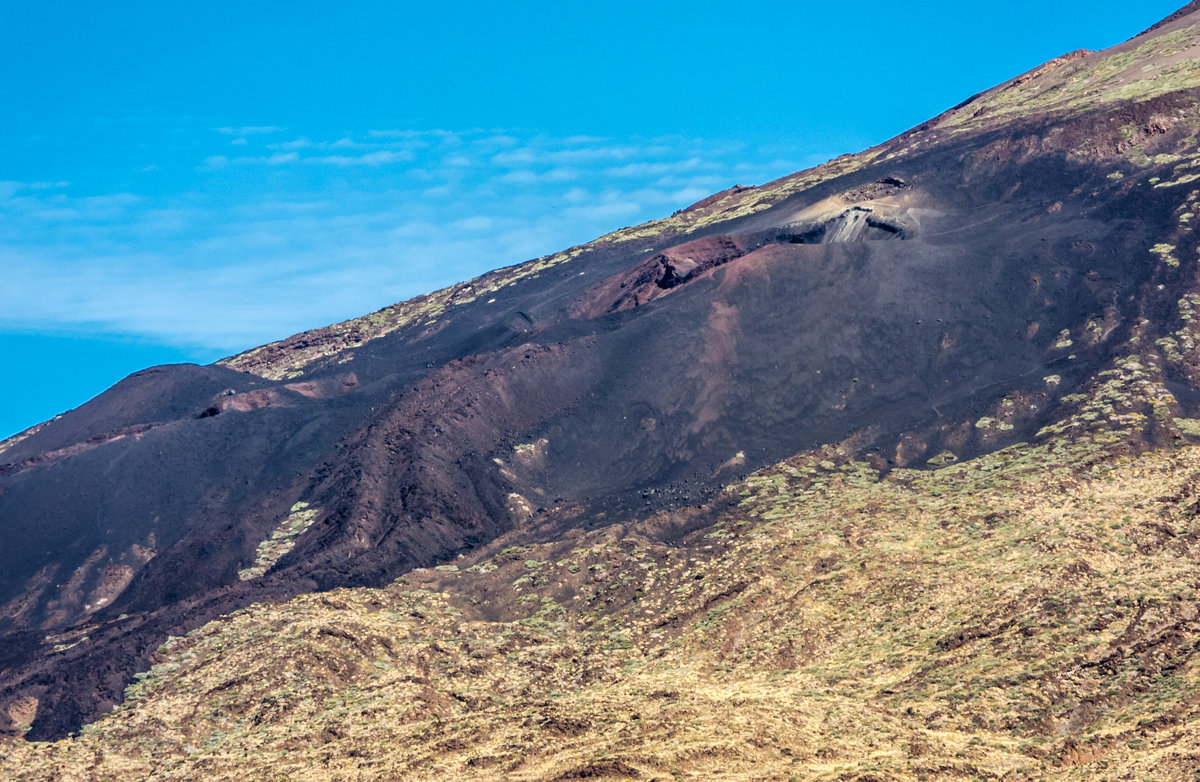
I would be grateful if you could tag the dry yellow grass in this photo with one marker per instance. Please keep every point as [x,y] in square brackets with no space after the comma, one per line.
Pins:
[1028,614]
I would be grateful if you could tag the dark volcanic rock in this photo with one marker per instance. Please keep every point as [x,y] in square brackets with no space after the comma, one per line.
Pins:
[888,301]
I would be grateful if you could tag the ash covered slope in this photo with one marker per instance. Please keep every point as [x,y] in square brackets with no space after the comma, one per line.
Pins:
[1028,614]
[930,299]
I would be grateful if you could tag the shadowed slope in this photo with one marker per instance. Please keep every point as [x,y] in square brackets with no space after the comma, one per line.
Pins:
[1029,614]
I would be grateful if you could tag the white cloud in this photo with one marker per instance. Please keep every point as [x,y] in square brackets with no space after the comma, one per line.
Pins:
[617,152]
[293,233]
[10,188]
[249,130]
[516,157]
[52,215]
[613,210]
[410,133]
[498,140]
[377,158]
[711,182]
[385,156]
[479,223]
[217,162]
[526,176]
[648,169]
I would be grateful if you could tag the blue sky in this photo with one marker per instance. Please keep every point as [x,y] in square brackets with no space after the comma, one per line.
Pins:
[179,182]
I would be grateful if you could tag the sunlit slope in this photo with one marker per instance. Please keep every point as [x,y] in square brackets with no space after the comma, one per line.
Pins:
[1030,613]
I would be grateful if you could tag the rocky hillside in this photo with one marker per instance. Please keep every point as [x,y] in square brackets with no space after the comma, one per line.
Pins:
[1029,613]
[882,469]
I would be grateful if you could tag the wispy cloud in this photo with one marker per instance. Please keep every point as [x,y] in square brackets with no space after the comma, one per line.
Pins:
[292,233]
[376,158]
[547,153]
[648,169]
[214,162]
[249,130]
[525,176]
[9,188]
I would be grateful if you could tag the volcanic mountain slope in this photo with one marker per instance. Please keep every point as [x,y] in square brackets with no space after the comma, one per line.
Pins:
[1029,613]
[1018,273]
